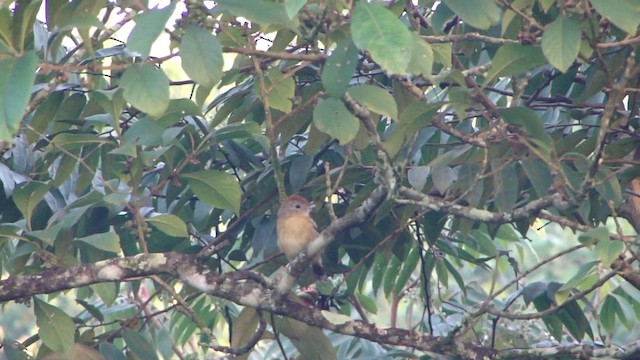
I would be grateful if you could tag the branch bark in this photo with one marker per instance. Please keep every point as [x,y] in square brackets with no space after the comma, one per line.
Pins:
[243,288]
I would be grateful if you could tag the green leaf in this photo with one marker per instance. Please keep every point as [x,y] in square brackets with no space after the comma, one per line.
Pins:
[607,250]
[310,341]
[111,352]
[561,42]
[149,26]
[55,327]
[216,188]
[107,292]
[201,55]
[538,174]
[139,345]
[625,14]
[27,195]
[375,99]
[91,309]
[505,184]
[293,6]
[482,15]
[367,303]
[378,31]
[574,319]
[169,224]
[339,68]
[332,118]
[280,90]
[146,88]
[456,275]
[583,273]
[16,81]
[260,11]
[71,141]
[108,241]
[421,57]
[514,59]
[595,235]
[299,171]
[608,187]
[530,121]
[608,310]
[391,274]
[409,265]
[244,327]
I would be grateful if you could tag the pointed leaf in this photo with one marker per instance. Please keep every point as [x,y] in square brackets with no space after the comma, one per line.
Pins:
[482,15]
[201,56]
[375,99]
[514,59]
[625,14]
[561,42]
[169,224]
[505,183]
[55,327]
[421,57]
[216,188]
[332,118]
[378,31]
[339,68]
[146,88]
[149,25]
[27,195]
[139,345]
[108,241]
[280,89]
[607,250]
[16,80]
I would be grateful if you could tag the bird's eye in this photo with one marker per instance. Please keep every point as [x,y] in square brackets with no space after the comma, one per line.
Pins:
[298,206]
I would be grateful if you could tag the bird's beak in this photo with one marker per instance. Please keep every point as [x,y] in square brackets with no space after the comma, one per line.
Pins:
[312,206]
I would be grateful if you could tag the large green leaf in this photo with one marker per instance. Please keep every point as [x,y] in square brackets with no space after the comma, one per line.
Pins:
[625,14]
[55,327]
[561,42]
[378,31]
[216,188]
[530,121]
[139,345]
[17,75]
[201,56]
[27,195]
[421,57]
[169,224]
[260,11]
[280,90]
[513,60]
[244,327]
[332,118]
[375,99]
[146,88]
[108,241]
[505,184]
[607,250]
[149,25]
[608,186]
[482,14]
[339,67]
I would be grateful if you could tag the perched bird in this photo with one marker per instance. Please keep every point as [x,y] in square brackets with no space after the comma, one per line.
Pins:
[296,229]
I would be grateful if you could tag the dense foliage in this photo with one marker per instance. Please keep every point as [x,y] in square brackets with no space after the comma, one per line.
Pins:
[474,166]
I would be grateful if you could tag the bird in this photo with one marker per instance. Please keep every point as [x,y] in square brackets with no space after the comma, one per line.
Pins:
[296,229]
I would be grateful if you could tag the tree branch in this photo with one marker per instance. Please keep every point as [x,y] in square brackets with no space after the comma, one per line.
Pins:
[243,288]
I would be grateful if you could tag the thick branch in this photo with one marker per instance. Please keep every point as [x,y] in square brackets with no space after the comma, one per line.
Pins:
[244,288]
[413,197]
